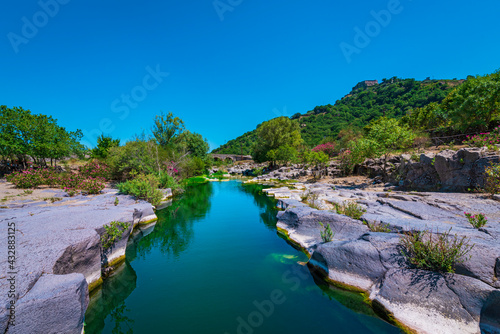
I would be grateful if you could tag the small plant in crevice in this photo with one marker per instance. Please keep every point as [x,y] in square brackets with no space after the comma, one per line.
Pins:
[379,227]
[52,199]
[477,220]
[114,231]
[313,200]
[326,233]
[116,201]
[350,209]
[492,179]
[435,252]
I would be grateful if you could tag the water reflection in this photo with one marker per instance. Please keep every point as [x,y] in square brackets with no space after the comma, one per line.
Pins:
[174,230]
[108,300]
[267,204]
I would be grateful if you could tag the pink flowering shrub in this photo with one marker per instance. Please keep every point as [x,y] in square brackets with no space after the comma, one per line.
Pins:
[488,139]
[478,220]
[30,178]
[346,161]
[92,185]
[95,169]
[91,178]
[327,148]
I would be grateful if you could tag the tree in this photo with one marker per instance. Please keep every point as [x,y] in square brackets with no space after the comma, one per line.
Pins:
[388,135]
[167,129]
[38,136]
[194,144]
[476,103]
[283,154]
[272,134]
[104,143]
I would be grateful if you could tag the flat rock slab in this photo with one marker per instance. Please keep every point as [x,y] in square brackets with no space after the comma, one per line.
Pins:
[62,238]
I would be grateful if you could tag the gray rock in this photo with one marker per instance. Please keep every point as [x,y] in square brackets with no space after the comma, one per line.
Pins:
[424,301]
[56,304]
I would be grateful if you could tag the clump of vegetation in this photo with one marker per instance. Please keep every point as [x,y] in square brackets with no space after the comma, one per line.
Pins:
[350,209]
[488,139]
[435,252]
[52,199]
[143,187]
[116,201]
[326,233]
[312,199]
[258,171]
[379,227]
[88,180]
[70,191]
[492,182]
[477,220]
[114,231]
[28,192]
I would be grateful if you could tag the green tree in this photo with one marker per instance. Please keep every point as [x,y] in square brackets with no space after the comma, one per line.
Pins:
[104,143]
[283,154]
[167,129]
[476,103]
[194,144]
[272,134]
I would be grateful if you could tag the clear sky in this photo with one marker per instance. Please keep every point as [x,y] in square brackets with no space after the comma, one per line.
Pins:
[225,66]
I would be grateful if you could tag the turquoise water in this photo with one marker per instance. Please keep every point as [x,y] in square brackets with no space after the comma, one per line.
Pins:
[214,264]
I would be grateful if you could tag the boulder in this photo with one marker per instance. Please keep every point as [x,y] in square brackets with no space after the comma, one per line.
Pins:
[430,302]
[55,304]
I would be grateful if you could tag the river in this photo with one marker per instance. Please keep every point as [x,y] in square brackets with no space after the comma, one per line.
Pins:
[215,264]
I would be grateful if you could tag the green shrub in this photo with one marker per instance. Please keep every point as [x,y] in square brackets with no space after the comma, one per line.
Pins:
[440,252]
[136,156]
[114,231]
[194,166]
[350,209]
[327,233]
[258,171]
[143,187]
[492,182]
[379,227]
[168,181]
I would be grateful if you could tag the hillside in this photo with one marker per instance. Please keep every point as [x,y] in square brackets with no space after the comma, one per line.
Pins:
[368,100]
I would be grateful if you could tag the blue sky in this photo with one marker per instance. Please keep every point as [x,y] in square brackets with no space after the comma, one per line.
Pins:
[225,66]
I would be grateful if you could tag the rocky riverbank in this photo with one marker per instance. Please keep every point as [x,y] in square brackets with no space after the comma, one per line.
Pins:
[467,301]
[447,170]
[59,256]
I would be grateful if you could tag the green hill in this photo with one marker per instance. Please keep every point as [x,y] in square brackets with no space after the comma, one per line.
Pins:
[368,100]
